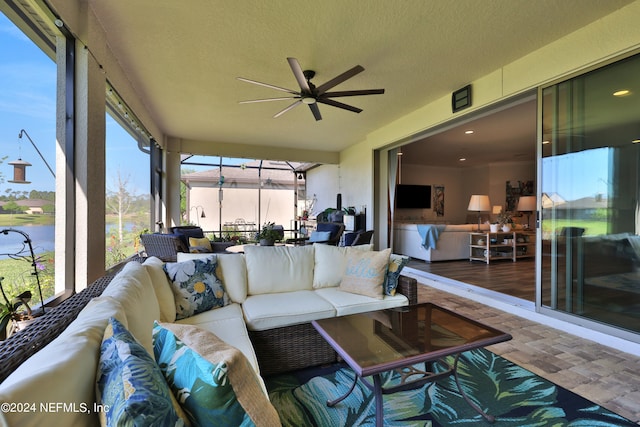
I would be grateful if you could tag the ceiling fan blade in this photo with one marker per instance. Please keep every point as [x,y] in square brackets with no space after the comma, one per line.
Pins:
[297,71]
[251,101]
[339,79]
[290,107]
[339,105]
[338,94]
[293,92]
[316,111]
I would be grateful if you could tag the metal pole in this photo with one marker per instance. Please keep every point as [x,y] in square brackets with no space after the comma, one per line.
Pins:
[38,151]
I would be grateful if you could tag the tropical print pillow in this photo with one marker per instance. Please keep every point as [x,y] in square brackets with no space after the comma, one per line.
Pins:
[203,388]
[396,264]
[130,386]
[196,287]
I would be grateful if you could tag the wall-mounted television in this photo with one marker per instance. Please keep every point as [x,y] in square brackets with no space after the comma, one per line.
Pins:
[409,196]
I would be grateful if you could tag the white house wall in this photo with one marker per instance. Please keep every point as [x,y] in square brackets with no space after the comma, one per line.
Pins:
[240,204]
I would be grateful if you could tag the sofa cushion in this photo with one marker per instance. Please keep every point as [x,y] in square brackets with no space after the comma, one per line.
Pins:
[272,269]
[396,264]
[199,245]
[232,270]
[228,324]
[330,262]
[186,231]
[215,383]
[162,288]
[73,357]
[132,287]
[268,311]
[319,236]
[365,273]
[347,303]
[130,385]
[196,288]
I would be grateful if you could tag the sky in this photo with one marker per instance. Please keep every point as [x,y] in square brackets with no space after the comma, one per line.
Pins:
[28,101]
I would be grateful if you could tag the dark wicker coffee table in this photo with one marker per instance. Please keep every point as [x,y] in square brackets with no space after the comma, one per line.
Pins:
[380,341]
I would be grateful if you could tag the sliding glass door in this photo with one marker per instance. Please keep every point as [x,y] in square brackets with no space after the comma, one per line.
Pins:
[589,197]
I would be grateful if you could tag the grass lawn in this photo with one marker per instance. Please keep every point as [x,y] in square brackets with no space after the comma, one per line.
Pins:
[19,220]
[592,227]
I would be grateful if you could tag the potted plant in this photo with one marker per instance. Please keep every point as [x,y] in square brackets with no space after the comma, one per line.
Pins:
[10,313]
[268,235]
[504,221]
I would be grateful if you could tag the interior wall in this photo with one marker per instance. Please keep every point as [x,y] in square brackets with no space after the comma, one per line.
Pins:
[500,173]
[460,184]
[450,178]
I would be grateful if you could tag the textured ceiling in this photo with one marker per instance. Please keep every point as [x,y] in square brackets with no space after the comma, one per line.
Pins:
[182,58]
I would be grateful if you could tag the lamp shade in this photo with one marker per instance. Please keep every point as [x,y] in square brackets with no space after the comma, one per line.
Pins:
[479,203]
[527,204]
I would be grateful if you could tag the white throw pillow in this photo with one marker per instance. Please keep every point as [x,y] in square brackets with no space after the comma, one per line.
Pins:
[330,262]
[365,273]
[279,268]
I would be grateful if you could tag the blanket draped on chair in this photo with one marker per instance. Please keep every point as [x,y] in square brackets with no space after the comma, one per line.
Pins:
[429,234]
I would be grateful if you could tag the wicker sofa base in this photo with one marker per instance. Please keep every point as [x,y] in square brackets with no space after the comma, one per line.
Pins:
[290,348]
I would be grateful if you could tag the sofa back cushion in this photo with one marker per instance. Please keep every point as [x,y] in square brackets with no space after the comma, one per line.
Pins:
[273,269]
[132,287]
[162,287]
[62,371]
[232,270]
[330,262]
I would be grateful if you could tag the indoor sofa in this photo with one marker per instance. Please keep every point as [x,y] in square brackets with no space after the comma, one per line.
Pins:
[452,242]
[270,295]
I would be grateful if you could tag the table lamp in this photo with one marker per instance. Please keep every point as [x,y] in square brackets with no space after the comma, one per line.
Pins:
[527,204]
[479,203]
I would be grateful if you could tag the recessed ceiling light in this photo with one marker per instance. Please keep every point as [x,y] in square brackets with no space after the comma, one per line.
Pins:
[462,159]
[468,132]
[622,92]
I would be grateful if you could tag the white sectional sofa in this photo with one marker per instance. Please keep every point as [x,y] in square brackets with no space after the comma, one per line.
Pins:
[452,244]
[271,296]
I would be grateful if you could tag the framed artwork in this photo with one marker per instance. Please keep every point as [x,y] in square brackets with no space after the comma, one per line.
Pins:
[515,189]
[438,200]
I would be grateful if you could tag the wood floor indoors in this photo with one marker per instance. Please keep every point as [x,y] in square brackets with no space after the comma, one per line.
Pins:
[606,376]
[517,279]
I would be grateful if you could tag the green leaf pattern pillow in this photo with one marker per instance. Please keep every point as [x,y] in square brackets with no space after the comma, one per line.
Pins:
[202,388]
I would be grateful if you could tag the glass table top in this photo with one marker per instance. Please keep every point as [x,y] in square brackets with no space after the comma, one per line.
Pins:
[377,341]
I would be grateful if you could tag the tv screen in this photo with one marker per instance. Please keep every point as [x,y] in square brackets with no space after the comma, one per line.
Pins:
[413,196]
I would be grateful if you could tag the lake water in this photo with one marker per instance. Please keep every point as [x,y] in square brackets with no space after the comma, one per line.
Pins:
[42,239]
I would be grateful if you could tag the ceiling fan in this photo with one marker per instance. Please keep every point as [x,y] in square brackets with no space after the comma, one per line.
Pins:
[310,94]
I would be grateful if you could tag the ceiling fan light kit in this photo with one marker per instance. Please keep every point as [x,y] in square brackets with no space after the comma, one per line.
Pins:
[311,95]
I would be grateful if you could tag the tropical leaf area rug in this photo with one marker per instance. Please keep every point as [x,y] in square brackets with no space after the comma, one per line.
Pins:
[514,395]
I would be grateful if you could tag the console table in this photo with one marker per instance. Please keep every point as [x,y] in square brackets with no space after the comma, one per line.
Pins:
[513,245]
